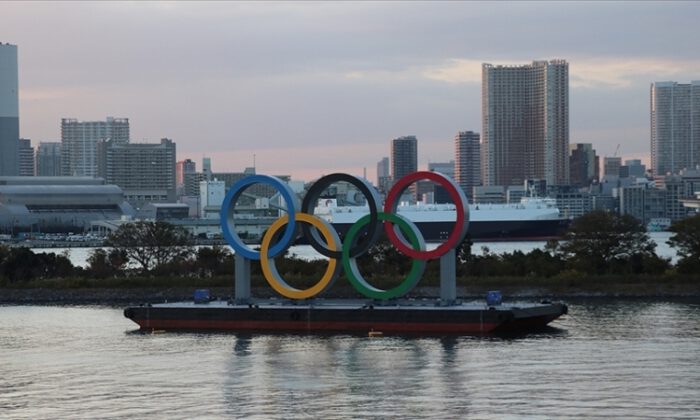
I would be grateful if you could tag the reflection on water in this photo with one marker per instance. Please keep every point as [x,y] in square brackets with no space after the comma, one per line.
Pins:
[606,358]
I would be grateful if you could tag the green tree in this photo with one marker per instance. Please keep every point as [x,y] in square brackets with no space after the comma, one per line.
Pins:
[22,264]
[686,240]
[215,260]
[601,242]
[151,245]
[103,264]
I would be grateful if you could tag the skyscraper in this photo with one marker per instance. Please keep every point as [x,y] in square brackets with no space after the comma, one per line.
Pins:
[467,170]
[9,111]
[583,164]
[525,118]
[79,143]
[675,127]
[182,168]
[26,158]
[404,156]
[611,165]
[48,159]
[383,176]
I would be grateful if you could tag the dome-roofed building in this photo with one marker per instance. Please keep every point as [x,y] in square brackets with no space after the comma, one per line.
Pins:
[58,204]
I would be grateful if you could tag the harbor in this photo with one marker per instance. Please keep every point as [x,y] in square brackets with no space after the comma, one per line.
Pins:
[607,358]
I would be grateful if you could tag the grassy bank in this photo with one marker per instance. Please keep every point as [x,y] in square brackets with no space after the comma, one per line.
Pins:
[158,289]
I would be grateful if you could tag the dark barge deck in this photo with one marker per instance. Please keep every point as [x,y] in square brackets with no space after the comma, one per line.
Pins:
[346,316]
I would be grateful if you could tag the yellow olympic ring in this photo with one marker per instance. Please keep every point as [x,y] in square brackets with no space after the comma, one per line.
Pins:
[270,270]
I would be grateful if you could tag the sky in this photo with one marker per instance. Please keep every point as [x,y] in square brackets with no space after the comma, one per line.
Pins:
[308,89]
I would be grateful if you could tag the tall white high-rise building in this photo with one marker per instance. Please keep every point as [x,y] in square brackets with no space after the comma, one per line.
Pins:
[675,127]
[79,143]
[9,111]
[525,118]
[467,171]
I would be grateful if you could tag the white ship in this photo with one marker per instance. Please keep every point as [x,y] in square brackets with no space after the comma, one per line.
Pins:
[531,218]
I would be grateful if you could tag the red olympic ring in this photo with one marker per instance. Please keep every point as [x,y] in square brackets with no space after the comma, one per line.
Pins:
[460,227]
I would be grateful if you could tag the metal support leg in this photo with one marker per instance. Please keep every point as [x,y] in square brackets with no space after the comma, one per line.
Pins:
[242,286]
[448,277]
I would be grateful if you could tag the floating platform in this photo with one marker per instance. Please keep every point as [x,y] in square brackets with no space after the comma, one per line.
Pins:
[418,317]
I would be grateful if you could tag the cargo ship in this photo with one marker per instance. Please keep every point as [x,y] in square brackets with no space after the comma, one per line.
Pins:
[347,316]
[530,219]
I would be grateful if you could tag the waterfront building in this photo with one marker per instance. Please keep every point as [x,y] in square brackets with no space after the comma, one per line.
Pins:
[404,160]
[525,123]
[9,111]
[206,167]
[643,202]
[58,204]
[145,171]
[48,159]
[440,194]
[583,164]
[383,175]
[26,158]
[467,170]
[79,140]
[183,167]
[633,168]
[404,156]
[675,127]
[211,196]
[611,166]
[495,194]
[571,201]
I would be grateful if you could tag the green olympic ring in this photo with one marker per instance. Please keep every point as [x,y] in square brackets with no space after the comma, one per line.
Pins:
[353,272]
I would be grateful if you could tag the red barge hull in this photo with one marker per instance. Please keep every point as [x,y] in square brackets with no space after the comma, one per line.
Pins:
[346,317]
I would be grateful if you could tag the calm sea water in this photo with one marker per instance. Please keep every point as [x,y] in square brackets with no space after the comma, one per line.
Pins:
[608,359]
[79,256]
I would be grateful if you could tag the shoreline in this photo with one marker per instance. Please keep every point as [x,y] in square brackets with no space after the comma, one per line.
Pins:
[137,296]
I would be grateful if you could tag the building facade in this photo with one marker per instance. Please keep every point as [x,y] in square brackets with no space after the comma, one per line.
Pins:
[145,171]
[583,165]
[383,175]
[404,156]
[48,159]
[26,158]
[440,194]
[675,127]
[467,171]
[9,111]
[182,168]
[58,204]
[611,166]
[525,123]
[79,140]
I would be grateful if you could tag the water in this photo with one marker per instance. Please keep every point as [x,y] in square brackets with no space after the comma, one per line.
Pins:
[607,359]
[79,256]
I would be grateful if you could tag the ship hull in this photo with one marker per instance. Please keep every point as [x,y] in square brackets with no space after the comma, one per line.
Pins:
[345,317]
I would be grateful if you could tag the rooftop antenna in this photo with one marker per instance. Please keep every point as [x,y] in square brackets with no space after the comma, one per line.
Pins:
[254,163]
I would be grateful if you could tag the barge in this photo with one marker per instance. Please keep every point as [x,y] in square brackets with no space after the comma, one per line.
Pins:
[424,317]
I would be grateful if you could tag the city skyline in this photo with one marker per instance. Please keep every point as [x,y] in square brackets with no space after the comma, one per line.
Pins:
[238,82]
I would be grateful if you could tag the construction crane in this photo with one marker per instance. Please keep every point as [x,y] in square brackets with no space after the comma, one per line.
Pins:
[617,149]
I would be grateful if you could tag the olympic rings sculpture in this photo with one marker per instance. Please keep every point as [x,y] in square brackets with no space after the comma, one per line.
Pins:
[401,232]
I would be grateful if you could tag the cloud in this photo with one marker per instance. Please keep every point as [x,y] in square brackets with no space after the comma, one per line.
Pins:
[591,73]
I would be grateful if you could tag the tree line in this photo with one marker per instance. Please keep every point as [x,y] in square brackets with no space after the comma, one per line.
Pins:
[597,243]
